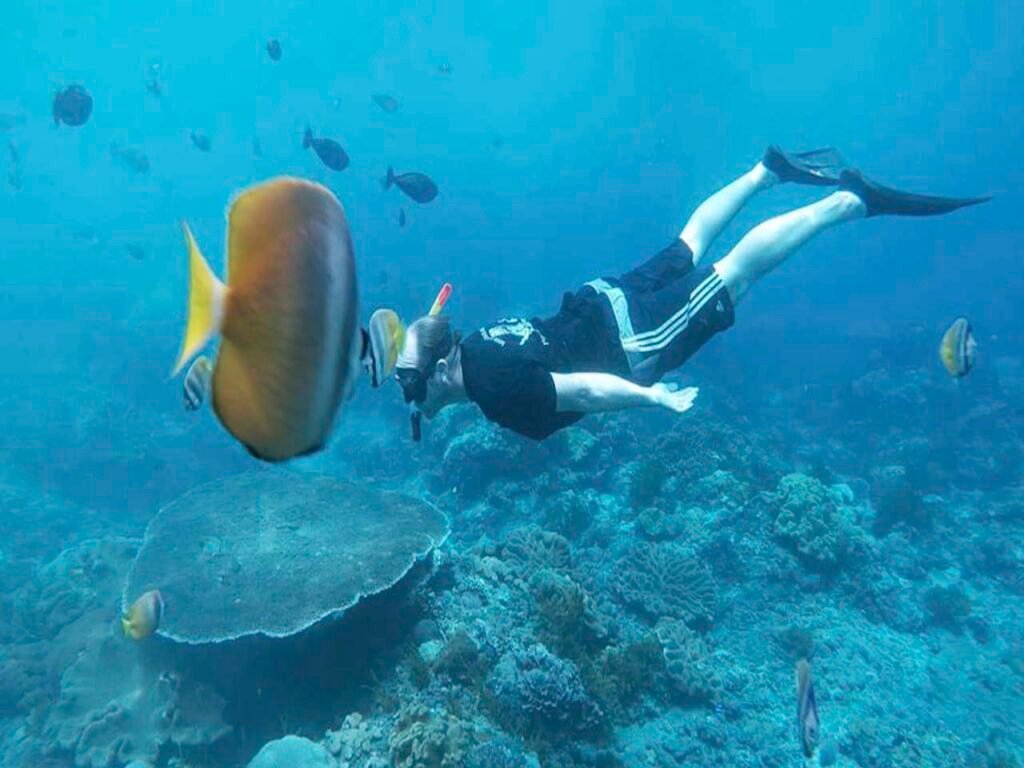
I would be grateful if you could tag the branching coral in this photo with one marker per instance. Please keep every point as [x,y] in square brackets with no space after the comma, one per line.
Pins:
[662,580]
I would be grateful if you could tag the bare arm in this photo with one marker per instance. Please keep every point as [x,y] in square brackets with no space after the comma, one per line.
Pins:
[595,392]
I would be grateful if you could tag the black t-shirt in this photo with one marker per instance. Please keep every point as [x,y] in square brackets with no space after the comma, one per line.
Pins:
[507,366]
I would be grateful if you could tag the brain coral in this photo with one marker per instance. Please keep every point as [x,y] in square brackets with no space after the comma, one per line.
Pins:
[529,548]
[274,552]
[808,519]
[663,580]
[535,691]
[688,661]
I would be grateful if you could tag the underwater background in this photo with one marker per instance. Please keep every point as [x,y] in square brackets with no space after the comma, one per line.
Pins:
[634,591]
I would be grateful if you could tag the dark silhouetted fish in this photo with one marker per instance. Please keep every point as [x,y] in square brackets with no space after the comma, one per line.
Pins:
[445,68]
[201,141]
[401,217]
[958,348]
[386,102]
[130,158]
[329,151]
[418,186]
[86,234]
[806,709]
[274,49]
[257,148]
[136,251]
[14,172]
[72,106]
[153,86]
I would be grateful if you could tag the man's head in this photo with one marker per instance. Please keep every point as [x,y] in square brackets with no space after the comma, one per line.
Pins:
[429,365]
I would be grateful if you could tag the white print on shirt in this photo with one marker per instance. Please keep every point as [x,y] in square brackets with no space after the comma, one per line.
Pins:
[511,328]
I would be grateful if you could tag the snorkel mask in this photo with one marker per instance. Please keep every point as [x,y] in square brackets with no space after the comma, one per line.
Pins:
[414,380]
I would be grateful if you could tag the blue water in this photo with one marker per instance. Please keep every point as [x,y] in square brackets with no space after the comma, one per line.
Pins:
[569,141]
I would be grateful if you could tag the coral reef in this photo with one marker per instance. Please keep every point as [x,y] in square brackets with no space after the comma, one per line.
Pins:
[329,543]
[292,752]
[663,580]
[104,719]
[808,520]
[538,694]
[427,739]
[688,661]
[530,548]
[115,700]
[632,592]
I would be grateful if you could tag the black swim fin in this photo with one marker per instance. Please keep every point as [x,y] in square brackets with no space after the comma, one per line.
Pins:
[817,167]
[884,200]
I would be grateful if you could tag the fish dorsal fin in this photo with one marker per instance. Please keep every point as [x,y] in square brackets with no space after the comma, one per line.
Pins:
[206,296]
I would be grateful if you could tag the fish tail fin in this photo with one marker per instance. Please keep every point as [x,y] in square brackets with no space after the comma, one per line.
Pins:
[307,138]
[126,626]
[389,180]
[206,295]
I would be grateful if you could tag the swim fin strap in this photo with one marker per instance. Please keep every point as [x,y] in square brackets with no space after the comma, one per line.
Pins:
[816,167]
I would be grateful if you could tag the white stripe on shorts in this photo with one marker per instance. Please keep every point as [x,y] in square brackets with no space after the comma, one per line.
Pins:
[663,335]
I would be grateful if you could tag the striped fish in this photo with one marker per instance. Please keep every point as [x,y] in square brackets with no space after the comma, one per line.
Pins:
[197,383]
[958,348]
[807,708]
[290,345]
[386,336]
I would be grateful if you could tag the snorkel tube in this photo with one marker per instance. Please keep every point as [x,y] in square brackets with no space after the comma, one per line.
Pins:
[415,416]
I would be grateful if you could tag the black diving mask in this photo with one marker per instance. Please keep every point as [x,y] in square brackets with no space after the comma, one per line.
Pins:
[414,383]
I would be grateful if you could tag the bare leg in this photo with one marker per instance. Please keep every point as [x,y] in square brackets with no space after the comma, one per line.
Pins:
[714,213]
[770,243]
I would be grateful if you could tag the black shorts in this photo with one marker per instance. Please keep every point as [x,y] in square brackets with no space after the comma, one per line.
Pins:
[665,310]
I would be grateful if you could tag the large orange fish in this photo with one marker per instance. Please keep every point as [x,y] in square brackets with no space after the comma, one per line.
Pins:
[288,317]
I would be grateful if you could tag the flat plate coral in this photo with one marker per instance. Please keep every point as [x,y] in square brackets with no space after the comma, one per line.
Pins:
[272,553]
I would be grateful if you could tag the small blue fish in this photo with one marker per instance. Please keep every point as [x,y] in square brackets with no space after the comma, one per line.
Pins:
[807,709]
[958,348]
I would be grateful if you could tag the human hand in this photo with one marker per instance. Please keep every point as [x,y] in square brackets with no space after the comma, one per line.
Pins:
[673,398]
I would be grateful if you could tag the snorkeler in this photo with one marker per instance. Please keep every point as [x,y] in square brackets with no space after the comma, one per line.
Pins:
[614,339]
